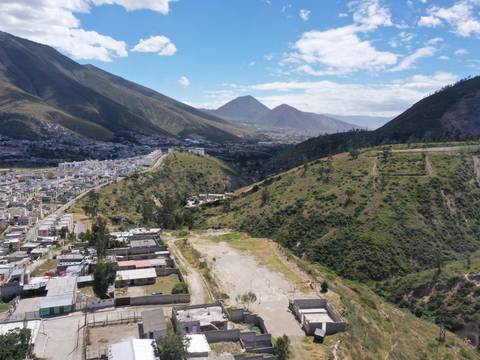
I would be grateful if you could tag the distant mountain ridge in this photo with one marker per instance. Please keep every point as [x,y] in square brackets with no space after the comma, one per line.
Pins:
[43,93]
[363,121]
[248,110]
[452,113]
[287,117]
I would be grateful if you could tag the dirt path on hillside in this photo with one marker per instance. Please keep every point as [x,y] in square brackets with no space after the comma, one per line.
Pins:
[476,166]
[440,149]
[196,285]
[428,167]
[239,273]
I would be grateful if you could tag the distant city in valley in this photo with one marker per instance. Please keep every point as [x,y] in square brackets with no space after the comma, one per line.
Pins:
[239,180]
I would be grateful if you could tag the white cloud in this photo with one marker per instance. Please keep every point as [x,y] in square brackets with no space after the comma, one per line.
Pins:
[371,14]
[304,14]
[344,49]
[184,81]
[460,16]
[161,6]
[460,52]
[435,41]
[388,99]
[54,23]
[338,50]
[409,61]
[156,44]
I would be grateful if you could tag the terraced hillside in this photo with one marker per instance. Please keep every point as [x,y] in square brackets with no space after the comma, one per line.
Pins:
[156,198]
[381,214]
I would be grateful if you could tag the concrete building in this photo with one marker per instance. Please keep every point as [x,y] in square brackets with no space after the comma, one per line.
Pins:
[317,314]
[197,345]
[154,325]
[196,319]
[61,296]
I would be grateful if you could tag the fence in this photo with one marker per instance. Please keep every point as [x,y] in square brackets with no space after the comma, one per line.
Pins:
[28,316]
[161,299]
[113,319]
[99,304]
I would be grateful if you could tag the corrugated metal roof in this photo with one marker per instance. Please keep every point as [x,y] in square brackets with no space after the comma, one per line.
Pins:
[56,301]
[127,275]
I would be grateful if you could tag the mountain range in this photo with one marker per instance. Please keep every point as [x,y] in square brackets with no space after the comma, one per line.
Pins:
[249,111]
[450,114]
[43,93]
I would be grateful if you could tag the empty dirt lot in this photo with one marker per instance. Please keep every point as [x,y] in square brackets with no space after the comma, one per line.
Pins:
[239,272]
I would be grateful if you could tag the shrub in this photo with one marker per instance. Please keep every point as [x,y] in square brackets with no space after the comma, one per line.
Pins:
[180,288]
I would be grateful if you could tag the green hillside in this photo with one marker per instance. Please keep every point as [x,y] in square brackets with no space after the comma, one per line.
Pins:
[382,214]
[156,198]
[448,295]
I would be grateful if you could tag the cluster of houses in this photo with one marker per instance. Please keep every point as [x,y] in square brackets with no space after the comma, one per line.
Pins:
[30,206]
[203,327]
[202,199]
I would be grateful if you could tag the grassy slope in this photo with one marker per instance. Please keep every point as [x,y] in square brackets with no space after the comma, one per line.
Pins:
[364,218]
[451,296]
[181,175]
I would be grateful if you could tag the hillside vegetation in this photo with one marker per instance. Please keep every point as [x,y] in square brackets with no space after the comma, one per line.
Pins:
[378,330]
[380,214]
[156,198]
[449,295]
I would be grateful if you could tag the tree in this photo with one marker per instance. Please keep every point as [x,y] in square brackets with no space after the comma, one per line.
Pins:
[166,212]
[246,299]
[91,203]
[172,347]
[103,277]
[15,344]
[386,153]
[324,287]
[265,197]
[349,193]
[63,233]
[100,236]
[354,153]
[281,348]
[180,288]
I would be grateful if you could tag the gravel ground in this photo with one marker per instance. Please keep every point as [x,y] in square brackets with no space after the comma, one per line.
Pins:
[239,273]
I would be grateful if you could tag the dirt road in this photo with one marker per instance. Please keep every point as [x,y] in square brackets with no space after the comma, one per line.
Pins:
[196,285]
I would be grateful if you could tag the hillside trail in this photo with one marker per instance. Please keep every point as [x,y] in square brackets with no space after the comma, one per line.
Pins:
[476,166]
[428,167]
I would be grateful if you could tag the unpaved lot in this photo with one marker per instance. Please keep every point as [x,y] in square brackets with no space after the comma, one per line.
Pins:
[239,273]
[99,338]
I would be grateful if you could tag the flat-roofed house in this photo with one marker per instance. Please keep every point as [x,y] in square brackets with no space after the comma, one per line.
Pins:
[135,277]
[61,296]
[133,349]
[317,316]
[196,319]
[154,325]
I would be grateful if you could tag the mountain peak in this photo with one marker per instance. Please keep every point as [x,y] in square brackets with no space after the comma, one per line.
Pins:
[243,108]
[285,107]
[68,98]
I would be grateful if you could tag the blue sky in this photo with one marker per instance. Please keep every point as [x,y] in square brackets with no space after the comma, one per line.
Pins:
[367,57]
